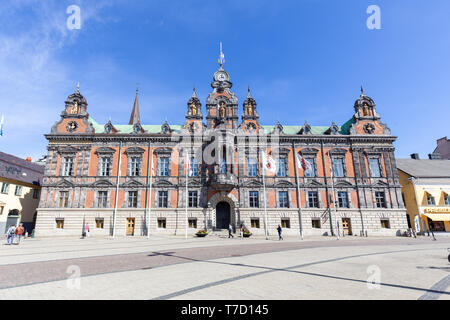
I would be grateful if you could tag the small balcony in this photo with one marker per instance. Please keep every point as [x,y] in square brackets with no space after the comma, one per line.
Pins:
[223,181]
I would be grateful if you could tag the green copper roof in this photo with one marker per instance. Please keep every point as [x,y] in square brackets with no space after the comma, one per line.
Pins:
[127,128]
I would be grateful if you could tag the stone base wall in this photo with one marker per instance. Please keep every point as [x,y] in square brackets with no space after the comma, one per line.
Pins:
[75,219]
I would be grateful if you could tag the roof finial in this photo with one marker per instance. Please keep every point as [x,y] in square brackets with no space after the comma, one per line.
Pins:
[194,93]
[249,95]
[362,91]
[78,86]
[221,56]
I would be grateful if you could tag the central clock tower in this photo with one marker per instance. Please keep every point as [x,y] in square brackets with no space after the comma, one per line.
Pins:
[221,103]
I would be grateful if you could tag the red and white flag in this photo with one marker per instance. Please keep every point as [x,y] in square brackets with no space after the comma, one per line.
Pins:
[304,164]
[269,163]
[190,170]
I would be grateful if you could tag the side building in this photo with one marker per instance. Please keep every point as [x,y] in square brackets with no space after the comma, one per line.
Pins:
[20,183]
[426,190]
[100,173]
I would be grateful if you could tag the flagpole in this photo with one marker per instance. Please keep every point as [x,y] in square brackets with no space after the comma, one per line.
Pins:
[264,187]
[149,198]
[187,168]
[117,192]
[334,196]
[298,190]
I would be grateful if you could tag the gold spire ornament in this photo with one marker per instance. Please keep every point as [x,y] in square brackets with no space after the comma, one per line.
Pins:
[221,56]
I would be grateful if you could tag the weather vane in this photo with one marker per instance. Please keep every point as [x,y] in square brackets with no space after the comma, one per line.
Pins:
[221,56]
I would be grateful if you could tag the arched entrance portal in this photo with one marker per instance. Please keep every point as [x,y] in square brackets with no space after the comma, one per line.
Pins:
[223,215]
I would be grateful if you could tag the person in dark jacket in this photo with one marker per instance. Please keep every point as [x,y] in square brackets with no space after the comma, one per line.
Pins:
[230,230]
[279,233]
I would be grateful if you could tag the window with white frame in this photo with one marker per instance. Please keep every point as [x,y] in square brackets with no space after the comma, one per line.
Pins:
[135,166]
[374,166]
[163,166]
[343,199]
[67,166]
[195,167]
[63,199]
[283,200]
[430,200]
[380,199]
[254,199]
[18,191]
[313,168]
[281,167]
[338,167]
[5,187]
[105,166]
[132,199]
[252,167]
[193,199]
[313,199]
[162,199]
[102,199]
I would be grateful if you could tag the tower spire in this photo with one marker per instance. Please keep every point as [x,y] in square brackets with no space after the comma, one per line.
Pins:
[135,116]
[221,56]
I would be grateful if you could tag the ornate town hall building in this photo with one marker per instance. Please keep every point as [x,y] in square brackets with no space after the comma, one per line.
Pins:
[83,183]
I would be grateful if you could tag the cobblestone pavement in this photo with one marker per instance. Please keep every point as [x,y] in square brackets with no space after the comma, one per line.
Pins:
[164,267]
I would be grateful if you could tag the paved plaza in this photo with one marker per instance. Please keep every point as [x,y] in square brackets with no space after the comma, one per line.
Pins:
[172,267]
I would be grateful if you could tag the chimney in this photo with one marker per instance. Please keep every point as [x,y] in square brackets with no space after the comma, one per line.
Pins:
[435,156]
[415,156]
[29,159]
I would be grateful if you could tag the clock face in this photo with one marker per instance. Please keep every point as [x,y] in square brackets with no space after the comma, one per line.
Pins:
[72,126]
[221,76]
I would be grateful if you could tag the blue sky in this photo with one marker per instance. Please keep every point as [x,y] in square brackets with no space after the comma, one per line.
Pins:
[304,60]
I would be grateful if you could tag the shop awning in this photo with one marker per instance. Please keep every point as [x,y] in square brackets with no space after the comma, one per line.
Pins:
[438,216]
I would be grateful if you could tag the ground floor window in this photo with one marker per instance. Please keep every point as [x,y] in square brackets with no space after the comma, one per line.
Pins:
[162,223]
[315,223]
[192,223]
[99,223]
[385,224]
[59,223]
[285,223]
[1,210]
[254,222]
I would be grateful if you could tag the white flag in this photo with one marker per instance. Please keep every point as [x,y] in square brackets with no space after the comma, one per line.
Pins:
[269,163]
[189,168]
[304,164]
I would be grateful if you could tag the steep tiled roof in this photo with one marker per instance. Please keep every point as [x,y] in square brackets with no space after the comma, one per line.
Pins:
[14,168]
[425,168]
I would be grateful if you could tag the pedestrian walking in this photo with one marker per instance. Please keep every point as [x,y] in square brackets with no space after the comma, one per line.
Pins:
[86,229]
[279,233]
[20,230]
[242,231]
[230,230]
[10,234]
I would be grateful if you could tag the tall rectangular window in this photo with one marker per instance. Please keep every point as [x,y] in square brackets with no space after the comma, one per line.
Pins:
[67,166]
[283,199]
[135,166]
[447,200]
[105,166]
[254,222]
[343,199]
[313,199]
[380,199]
[102,199]
[338,167]
[35,193]
[63,199]
[164,167]
[193,199]
[281,167]
[252,167]
[5,187]
[195,167]
[192,223]
[18,191]
[313,171]
[254,199]
[162,199]
[132,199]
[374,166]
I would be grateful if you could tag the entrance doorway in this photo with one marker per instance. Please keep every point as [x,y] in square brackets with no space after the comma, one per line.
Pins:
[130,226]
[223,216]
[347,226]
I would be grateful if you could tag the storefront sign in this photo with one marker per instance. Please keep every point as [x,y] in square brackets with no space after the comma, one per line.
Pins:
[436,210]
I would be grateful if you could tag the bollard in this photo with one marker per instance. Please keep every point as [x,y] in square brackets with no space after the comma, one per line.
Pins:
[366,233]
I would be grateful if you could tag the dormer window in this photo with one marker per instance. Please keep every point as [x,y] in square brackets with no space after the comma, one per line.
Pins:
[430,200]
